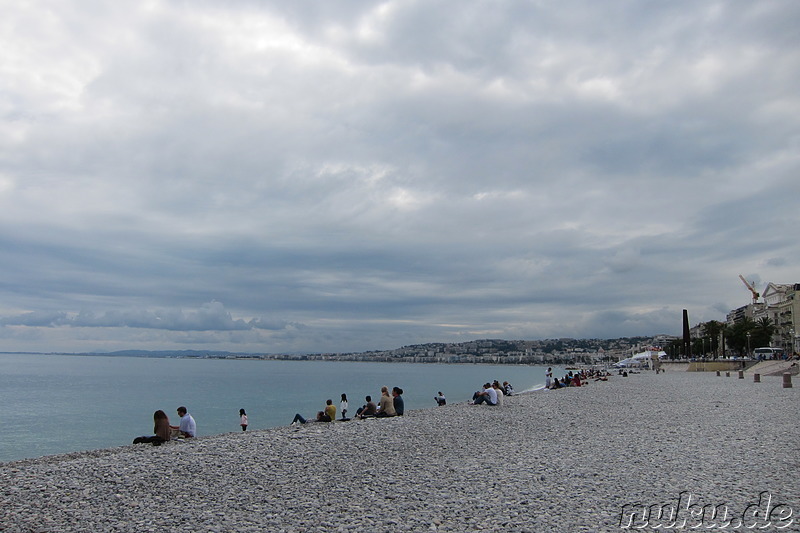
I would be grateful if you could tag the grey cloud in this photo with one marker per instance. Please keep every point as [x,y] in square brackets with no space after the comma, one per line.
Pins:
[36,319]
[364,175]
[776,262]
[211,316]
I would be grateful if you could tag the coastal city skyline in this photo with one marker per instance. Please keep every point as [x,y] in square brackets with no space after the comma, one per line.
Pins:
[290,178]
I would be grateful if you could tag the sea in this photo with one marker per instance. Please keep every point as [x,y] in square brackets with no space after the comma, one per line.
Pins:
[53,404]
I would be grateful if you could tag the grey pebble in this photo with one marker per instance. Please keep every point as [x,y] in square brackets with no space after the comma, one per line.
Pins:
[564,460]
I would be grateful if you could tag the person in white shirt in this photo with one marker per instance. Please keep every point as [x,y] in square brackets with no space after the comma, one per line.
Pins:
[488,395]
[343,407]
[440,399]
[188,427]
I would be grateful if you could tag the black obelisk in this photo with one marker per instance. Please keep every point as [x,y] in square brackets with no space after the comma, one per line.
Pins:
[687,341]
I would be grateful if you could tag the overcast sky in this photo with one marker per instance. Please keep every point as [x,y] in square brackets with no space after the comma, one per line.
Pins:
[344,176]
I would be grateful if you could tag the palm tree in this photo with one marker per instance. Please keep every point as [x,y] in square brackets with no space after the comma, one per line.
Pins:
[763,331]
[712,329]
[724,331]
[737,335]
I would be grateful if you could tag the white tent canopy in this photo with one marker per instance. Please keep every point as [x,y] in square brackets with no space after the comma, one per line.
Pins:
[641,359]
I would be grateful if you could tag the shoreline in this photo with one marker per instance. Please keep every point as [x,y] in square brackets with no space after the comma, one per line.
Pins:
[571,459]
[67,455]
[107,405]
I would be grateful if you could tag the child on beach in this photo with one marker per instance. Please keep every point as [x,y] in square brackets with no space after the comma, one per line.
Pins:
[243,419]
[343,406]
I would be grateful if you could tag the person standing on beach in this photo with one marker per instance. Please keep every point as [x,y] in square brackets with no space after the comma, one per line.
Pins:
[187,427]
[343,406]
[243,419]
[548,377]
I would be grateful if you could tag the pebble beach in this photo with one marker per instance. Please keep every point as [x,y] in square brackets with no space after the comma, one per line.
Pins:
[592,458]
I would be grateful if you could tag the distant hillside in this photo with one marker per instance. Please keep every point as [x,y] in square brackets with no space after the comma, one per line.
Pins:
[164,353]
[498,348]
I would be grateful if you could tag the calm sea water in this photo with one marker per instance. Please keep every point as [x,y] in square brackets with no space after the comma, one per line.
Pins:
[53,404]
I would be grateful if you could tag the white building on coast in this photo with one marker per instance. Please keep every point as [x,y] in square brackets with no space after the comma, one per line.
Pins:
[781,304]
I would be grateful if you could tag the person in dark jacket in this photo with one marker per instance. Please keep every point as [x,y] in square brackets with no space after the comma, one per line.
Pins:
[397,400]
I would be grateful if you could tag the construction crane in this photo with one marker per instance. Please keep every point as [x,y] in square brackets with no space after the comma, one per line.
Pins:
[752,290]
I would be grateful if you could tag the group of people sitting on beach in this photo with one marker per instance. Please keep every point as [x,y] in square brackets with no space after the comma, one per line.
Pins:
[389,405]
[164,431]
[492,393]
[576,379]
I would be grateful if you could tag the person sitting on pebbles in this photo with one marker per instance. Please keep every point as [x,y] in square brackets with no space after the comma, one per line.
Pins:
[328,415]
[187,427]
[161,429]
[322,416]
[397,401]
[368,410]
[386,405]
[440,399]
[488,396]
[499,391]
[330,409]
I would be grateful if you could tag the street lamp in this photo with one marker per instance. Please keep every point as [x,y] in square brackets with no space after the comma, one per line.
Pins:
[748,344]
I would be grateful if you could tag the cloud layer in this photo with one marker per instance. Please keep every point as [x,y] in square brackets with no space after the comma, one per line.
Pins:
[272,176]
